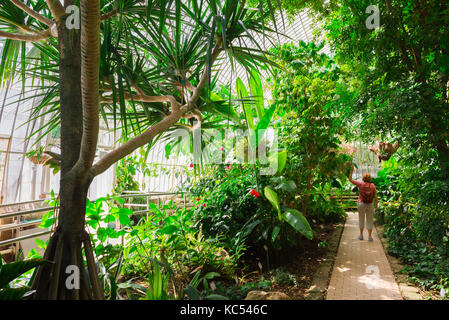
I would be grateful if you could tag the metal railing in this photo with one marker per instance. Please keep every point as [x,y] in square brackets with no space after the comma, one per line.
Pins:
[15,226]
[126,195]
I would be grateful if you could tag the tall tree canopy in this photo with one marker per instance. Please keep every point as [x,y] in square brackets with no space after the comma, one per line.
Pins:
[401,68]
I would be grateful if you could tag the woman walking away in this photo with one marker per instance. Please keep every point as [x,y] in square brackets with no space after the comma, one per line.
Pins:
[365,206]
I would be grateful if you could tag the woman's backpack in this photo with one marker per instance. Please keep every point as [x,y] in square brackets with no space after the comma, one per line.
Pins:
[367,195]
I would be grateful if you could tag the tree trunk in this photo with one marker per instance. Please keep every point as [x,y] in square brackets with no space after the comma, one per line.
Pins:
[305,204]
[443,157]
[440,144]
[66,245]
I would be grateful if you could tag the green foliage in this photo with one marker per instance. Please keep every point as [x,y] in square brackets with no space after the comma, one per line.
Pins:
[175,56]
[164,246]
[416,223]
[274,200]
[38,156]
[225,206]
[168,234]
[9,272]
[193,292]
[298,222]
[49,219]
[104,215]
[240,291]
[281,277]
[309,93]
[126,172]
[109,275]
[242,217]
[323,206]
[400,72]
[291,216]
[158,282]
[420,238]
[293,7]
[258,120]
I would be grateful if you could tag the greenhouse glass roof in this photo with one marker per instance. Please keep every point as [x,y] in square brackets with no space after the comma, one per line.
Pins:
[23,180]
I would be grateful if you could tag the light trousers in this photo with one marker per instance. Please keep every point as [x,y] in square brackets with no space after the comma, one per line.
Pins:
[366,212]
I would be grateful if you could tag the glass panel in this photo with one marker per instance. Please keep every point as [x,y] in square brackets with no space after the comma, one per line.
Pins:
[4,148]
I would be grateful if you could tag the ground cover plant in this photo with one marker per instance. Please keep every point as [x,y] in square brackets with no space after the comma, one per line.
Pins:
[416,225]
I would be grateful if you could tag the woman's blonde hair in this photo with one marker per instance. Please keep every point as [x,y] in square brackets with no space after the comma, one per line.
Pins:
[366,177]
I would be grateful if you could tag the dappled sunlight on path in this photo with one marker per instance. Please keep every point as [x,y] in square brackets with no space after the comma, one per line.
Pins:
[361,270]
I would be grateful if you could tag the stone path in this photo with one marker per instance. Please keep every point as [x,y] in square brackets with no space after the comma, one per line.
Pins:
[361,269]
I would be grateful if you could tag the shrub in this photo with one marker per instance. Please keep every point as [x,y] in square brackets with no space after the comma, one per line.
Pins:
[231,205]
[417,228]
[168,234]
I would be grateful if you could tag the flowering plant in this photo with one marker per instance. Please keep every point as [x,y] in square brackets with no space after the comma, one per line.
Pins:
[255,194]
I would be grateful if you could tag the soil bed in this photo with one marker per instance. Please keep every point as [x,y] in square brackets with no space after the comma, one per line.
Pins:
[303,262]
[294,277]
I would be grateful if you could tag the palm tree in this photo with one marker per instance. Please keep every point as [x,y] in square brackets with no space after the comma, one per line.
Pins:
[147,64]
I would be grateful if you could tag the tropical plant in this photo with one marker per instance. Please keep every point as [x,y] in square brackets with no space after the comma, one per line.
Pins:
[240,291]
[292,216]
[400,69]
[158,282]
[257,118]
[230,206]
[309,94]
[10,271]
[227,206]
[416,224]
[109,276]
[169,235]
[193,292]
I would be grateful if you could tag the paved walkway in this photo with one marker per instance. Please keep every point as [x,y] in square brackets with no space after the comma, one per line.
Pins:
[361,270]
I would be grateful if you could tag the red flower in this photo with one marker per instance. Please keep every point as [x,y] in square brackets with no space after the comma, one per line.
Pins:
[229,167]
[255,194]
[191,165]
[204,205]
[222,149]
[197,199]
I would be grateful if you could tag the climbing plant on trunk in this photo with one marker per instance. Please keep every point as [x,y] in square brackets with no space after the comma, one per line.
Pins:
[147,65]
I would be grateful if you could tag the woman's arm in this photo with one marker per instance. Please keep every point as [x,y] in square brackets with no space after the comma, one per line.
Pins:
[376,199]
[351,171]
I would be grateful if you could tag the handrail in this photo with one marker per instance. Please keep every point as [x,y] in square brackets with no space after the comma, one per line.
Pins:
[128,194]
[12,226]
[20,203]
[18,239]
[23,213]
[150,194]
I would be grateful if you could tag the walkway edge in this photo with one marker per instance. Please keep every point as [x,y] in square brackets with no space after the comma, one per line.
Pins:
[321,278]
[408,291]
